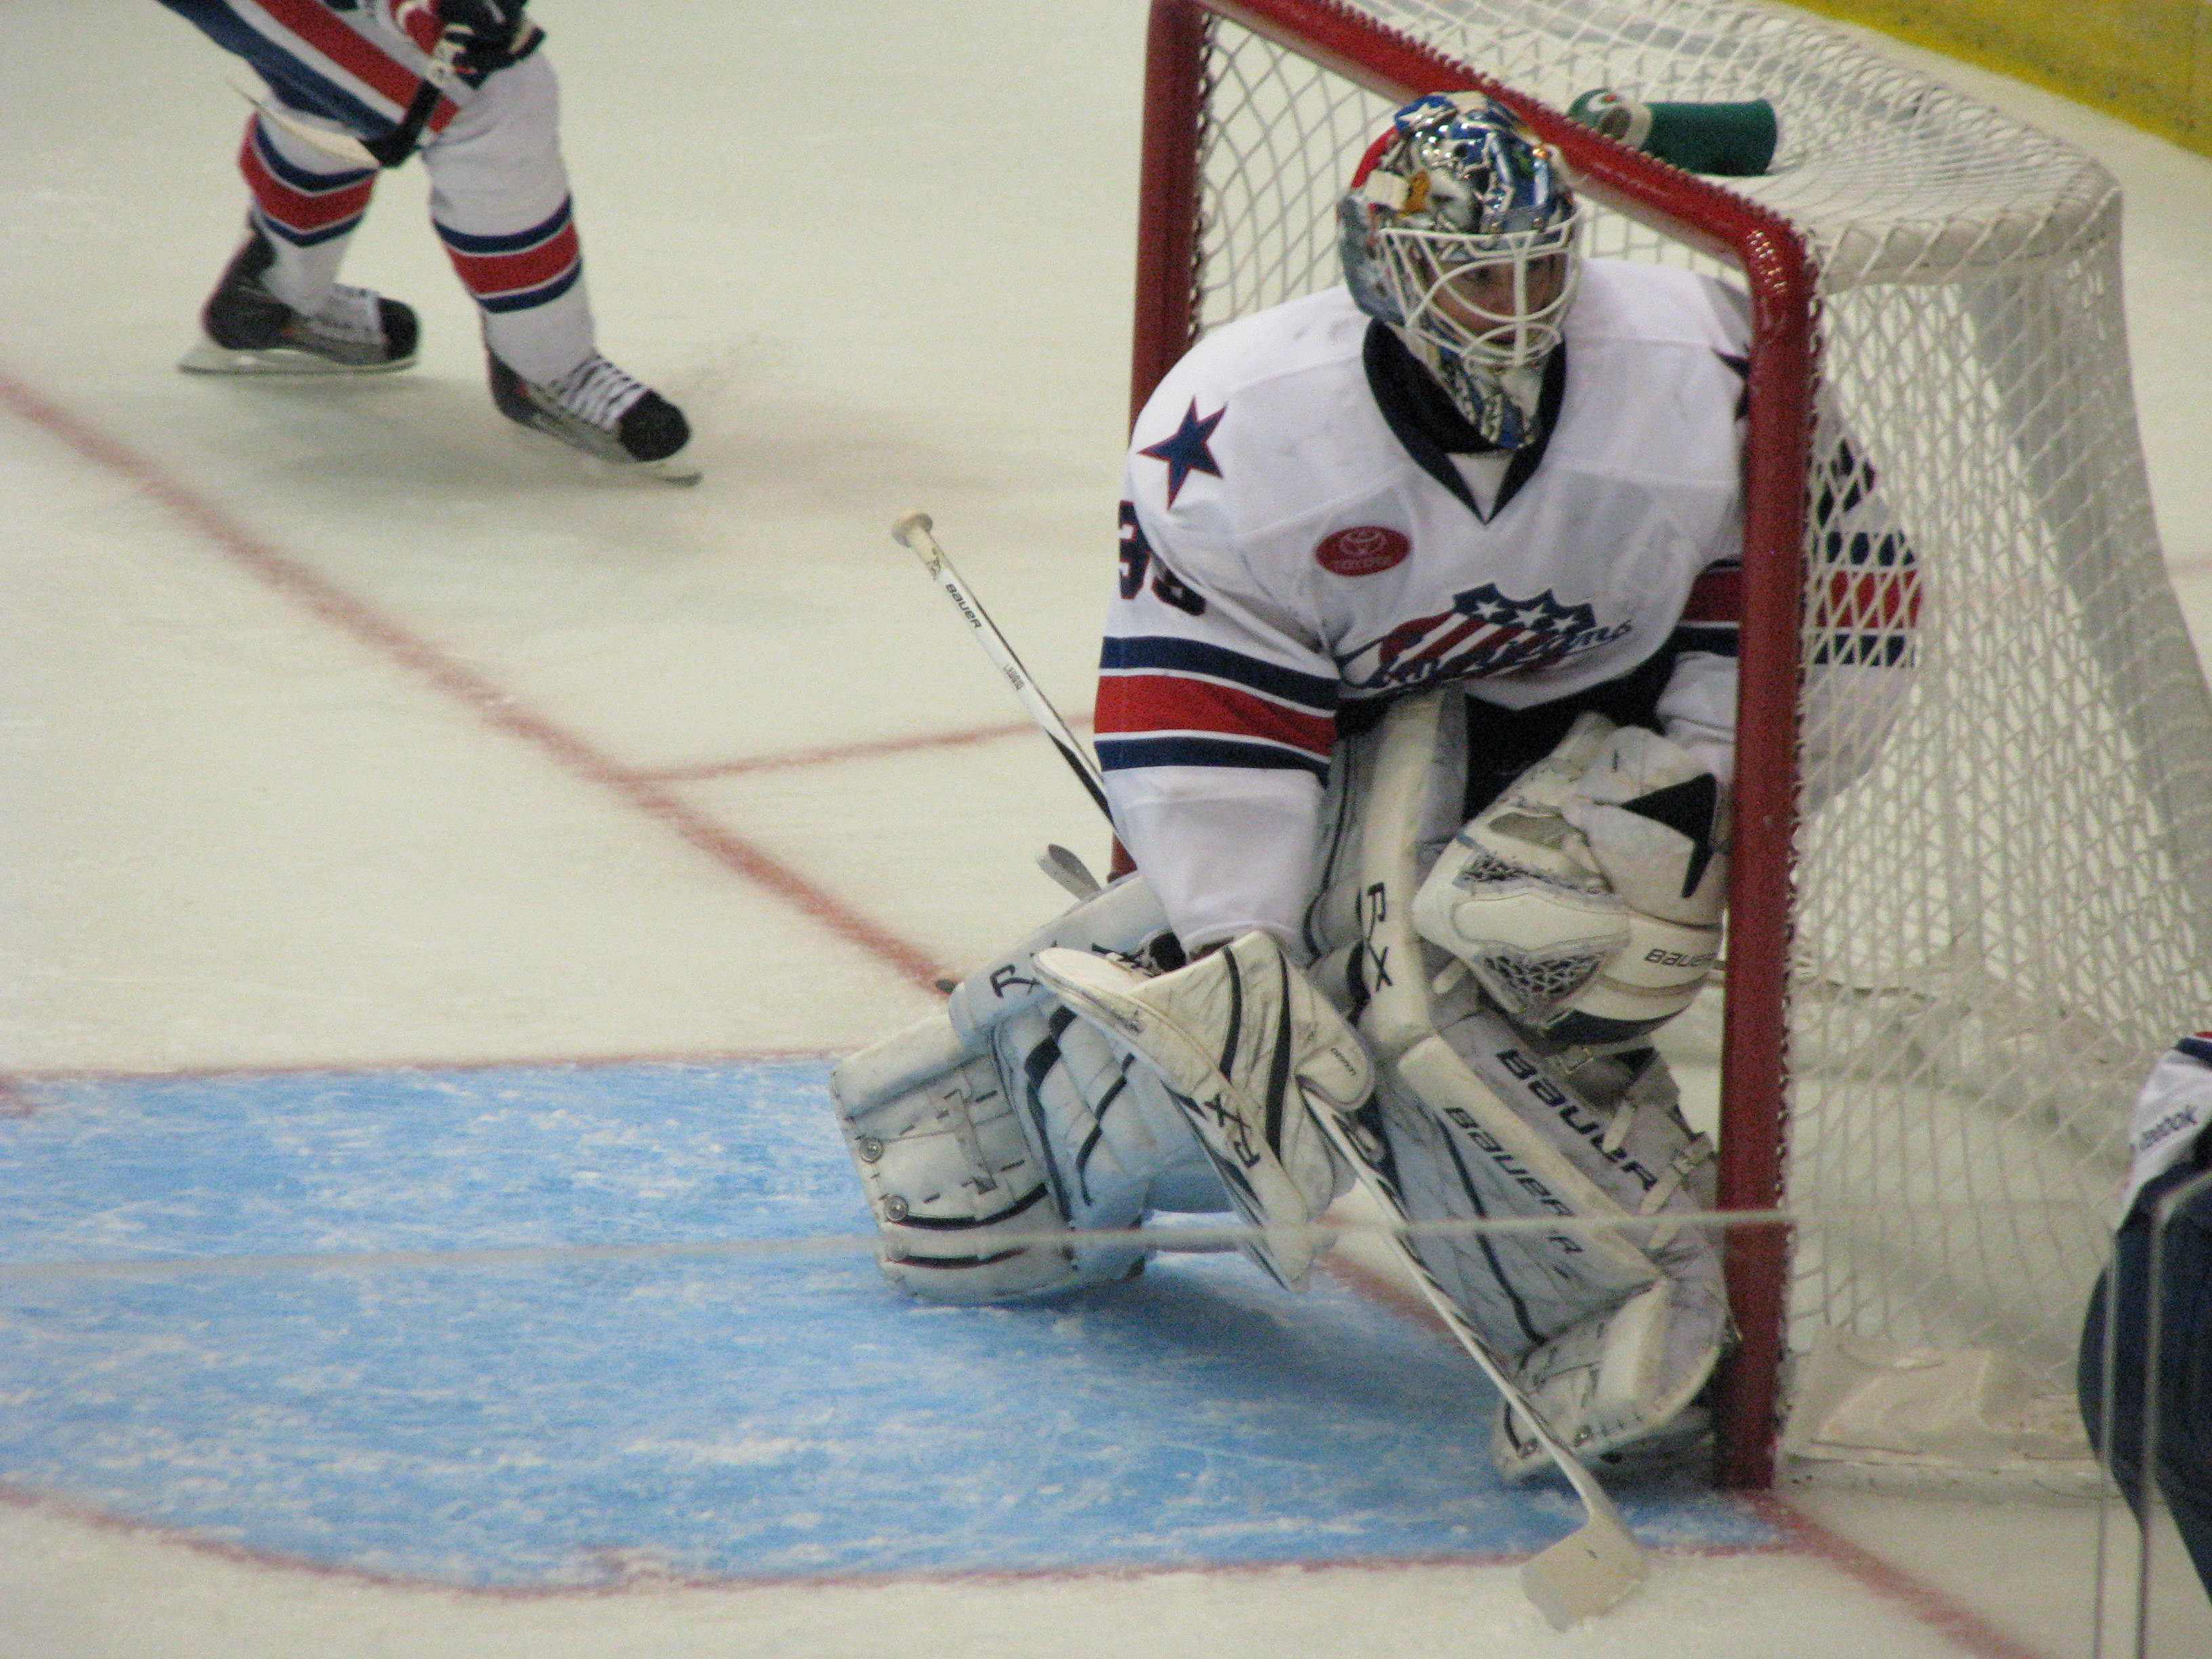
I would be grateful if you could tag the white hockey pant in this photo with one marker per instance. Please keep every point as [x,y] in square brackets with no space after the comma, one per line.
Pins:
[993,1138]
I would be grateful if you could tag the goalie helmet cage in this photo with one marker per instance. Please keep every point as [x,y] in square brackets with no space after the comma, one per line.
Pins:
[1945,983]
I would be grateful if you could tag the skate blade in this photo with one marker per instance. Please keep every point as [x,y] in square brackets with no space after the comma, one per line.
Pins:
[673,470]
[676,469]
[206,357]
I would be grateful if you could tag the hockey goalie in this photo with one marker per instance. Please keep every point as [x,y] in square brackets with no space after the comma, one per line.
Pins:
[1416,713]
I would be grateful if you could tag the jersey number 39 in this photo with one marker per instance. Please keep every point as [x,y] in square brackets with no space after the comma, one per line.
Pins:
[1137,554]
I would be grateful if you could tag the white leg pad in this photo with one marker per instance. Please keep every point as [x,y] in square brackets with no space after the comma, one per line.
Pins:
[965,1207]
[1114,1143]
[1479,1125]
[1617,1330]
[989,1169]
[1463,1151]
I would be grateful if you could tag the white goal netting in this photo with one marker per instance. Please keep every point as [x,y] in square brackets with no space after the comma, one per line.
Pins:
[1998,927]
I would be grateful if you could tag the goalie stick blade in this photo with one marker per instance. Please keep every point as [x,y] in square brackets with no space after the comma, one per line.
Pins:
[1069,871]
[1596,1566]
[1591,1570]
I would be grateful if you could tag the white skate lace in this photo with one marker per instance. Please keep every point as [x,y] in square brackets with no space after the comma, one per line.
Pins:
[595,391]
[352,314]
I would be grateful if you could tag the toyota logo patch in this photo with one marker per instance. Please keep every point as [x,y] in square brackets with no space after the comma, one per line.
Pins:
[1362,550]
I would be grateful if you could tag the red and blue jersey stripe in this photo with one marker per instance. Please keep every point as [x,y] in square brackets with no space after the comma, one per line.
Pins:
[1165,701]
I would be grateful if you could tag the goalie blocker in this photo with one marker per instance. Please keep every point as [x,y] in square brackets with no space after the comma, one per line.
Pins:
[1090,1078]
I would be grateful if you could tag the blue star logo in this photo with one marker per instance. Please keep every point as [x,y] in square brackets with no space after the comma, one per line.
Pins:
[1185,449]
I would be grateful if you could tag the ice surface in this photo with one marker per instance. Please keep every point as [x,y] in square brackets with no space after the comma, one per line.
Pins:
[388,788]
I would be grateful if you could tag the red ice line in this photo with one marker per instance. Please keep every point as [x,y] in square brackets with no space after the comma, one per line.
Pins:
[645,791]
[830,755]
[1973,1637]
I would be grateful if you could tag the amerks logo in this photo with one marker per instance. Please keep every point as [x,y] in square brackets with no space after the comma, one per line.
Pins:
[1364,549]
[1484,634]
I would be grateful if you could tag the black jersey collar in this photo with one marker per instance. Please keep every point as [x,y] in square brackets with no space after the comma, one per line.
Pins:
[1422,418]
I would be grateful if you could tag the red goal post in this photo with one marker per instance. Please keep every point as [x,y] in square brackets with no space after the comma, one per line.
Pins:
[1777,267]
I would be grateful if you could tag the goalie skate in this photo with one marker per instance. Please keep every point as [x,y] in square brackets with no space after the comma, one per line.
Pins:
[599,410]
[247,329]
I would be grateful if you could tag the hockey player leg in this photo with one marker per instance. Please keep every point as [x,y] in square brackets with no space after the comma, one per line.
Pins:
[1482,1123]
[1615,1325]
[1248,1048]
[2145,1393]
[500,202]
[279,307]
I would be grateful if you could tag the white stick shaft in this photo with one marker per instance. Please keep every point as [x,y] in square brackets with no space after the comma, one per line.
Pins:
[913,531]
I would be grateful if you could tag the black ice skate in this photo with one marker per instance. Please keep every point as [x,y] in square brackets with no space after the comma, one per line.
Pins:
[597,409]
[249,330]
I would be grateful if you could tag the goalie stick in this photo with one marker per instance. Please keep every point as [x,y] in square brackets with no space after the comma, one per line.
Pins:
[1595,1566]
[912,531]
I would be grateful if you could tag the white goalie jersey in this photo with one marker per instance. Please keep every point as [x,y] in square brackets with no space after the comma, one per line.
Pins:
[1296,539]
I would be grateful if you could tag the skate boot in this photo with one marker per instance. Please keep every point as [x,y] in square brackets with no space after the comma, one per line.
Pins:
[249,330]
[597,409]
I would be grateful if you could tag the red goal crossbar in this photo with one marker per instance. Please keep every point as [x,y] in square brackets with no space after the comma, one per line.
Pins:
[1777,269]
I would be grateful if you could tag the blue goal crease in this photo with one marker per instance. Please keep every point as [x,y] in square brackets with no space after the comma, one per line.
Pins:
[544,1423]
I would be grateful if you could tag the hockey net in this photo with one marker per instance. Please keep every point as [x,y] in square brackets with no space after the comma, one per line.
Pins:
[1945,984]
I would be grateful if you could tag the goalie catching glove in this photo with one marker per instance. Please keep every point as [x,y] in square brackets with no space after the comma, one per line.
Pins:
[1587,898]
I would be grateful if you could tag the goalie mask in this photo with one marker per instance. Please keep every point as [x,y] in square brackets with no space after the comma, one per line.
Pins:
[1461,233]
